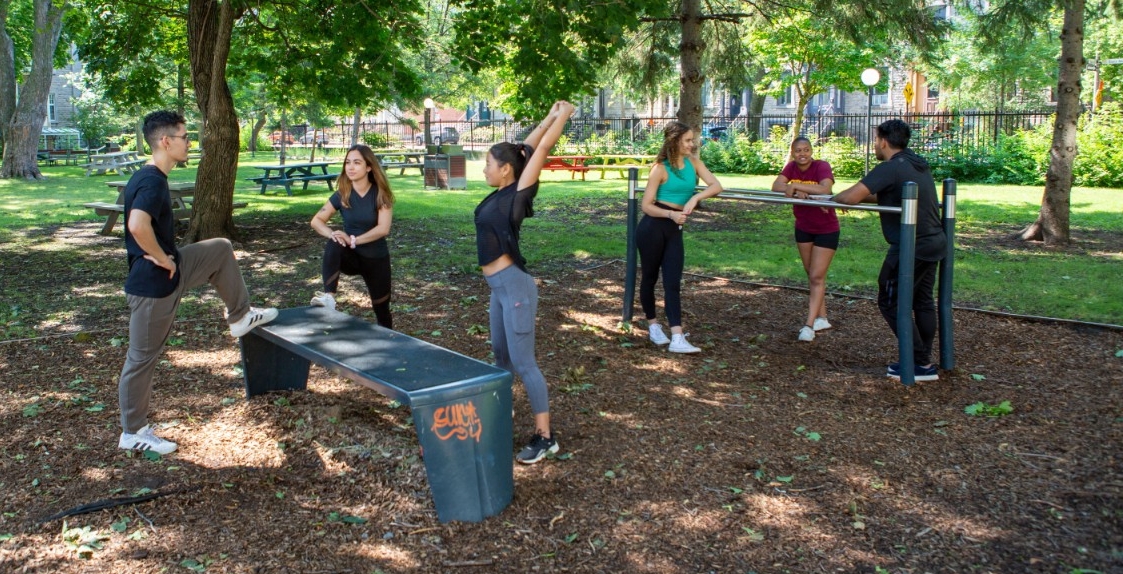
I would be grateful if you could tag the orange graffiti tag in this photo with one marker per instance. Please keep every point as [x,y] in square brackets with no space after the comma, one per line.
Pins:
[459,420]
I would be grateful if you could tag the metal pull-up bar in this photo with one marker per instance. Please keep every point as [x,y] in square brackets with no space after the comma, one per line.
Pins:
[908,211]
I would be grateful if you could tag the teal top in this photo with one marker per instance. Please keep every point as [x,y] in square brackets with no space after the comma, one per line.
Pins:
[679,185]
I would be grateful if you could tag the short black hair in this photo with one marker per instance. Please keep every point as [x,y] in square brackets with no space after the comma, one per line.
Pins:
[158,124]
[895,132]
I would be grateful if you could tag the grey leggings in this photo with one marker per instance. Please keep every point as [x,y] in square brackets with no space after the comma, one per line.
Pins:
[514,304]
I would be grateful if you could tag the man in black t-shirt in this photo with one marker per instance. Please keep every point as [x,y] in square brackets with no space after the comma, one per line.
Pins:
[160,273]
[885,182]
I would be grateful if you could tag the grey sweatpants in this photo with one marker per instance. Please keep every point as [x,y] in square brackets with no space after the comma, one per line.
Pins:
[514,304]
[150,321]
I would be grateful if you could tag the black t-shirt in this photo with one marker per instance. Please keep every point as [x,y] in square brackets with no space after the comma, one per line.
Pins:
[360,218]
[148,191]
[887,181]
[499,217]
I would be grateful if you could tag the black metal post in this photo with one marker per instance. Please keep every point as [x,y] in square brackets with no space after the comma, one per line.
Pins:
[630,257]
[947,270]
[906,268]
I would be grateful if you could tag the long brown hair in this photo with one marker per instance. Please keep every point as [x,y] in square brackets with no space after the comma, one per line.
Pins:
[375,176]
[672,150]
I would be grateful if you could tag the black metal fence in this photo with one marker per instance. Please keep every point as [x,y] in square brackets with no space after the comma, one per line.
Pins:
[930,130]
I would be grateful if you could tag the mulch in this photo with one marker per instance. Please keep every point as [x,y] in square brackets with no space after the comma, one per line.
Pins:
[762,454]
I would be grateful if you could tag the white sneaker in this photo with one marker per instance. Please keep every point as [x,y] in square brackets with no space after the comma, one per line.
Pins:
[821,324]
[324,300]
[656,334]
[679,344]
[806,334]
[255,318]
[144,439]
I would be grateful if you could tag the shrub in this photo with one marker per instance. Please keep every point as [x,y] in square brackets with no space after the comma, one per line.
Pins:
[377,140]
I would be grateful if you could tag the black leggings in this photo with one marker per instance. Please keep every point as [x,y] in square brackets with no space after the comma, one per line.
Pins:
[375,271]
[923,303]
[660,247]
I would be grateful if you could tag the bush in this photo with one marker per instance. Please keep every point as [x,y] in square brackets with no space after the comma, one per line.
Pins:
[1099,159]
[377,140]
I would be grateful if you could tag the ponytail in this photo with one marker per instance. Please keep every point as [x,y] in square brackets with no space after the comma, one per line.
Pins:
[514,155]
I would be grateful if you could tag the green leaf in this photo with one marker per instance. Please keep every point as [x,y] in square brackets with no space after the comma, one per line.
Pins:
[1119,353]
[814,436]
[570,538]
[354,520]
[152,455]
[736,490]
[96,408]
[121,525]
[801,395]
[784,478]
[6,536]
[32,410]
[193,565]
[609,474]
[978,377]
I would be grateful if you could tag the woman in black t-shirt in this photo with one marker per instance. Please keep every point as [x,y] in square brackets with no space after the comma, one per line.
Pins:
[513,170]
[364,199]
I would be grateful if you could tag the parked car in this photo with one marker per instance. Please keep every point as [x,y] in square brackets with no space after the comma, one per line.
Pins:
[714,132]
[276,137]
[440,135]
[309,138]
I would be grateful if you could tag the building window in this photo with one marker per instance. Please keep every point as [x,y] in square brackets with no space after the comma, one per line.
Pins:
[51,106]
[881,94]
[784,98]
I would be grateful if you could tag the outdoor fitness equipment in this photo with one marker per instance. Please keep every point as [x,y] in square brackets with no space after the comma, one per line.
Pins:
[905,270]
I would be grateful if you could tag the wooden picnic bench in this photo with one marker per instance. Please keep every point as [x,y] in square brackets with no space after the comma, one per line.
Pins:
[461,407]
[574,164]
[401,160]
[291,173]
[182,194]
[621,163]
[123,162]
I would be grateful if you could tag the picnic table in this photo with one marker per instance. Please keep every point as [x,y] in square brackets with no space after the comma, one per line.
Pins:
[574,164]
[123,162]
[401,160]
[285,175]
[182,194]
[622,163]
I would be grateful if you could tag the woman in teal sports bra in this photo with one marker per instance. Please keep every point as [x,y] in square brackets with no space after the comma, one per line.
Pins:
[668,201]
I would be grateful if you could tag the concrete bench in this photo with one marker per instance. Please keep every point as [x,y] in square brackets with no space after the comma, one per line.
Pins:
[112,212]
[461,407]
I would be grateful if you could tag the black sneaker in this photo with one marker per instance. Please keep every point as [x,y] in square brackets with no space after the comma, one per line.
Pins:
[537,449]
[894,371]
[920,374]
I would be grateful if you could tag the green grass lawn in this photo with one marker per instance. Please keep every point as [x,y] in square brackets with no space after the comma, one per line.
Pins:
[737,239]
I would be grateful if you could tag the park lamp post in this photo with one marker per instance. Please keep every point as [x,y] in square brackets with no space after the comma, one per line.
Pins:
[870,77]
[429,105]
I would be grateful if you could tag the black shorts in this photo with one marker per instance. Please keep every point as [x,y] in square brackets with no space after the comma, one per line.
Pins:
[824,240]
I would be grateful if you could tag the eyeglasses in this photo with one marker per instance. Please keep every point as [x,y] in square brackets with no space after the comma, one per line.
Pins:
[185,137]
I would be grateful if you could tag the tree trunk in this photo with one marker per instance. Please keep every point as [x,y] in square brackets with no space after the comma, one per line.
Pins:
[210,24]
[755,112]
[800,104]
[355,126]
[692,78]
[1052,225]
[256,131]
[7,72]
[23,121]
